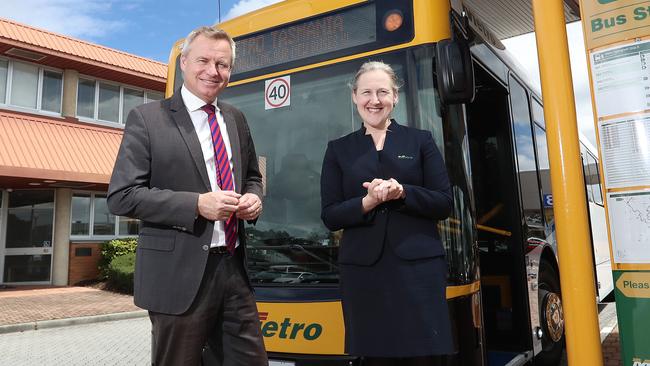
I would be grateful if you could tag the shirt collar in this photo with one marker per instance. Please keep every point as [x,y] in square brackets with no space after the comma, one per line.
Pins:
[192,102]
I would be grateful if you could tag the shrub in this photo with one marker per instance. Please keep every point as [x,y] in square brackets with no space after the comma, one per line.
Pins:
[111,250]
[119,273]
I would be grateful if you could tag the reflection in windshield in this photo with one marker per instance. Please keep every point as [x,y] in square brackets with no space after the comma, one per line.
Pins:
[289,245]
[545,178]
[280,258]
[529,185]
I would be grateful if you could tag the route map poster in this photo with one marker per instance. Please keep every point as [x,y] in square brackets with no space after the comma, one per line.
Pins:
[629,210]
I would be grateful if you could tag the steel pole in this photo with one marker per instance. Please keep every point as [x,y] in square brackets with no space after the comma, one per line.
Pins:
[569,197]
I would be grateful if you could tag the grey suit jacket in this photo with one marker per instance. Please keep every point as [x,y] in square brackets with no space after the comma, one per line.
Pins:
[158,176]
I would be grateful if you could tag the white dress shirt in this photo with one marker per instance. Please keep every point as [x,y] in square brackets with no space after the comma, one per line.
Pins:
[202,129]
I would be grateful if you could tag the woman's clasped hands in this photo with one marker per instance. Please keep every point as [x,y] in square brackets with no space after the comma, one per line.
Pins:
[382,190]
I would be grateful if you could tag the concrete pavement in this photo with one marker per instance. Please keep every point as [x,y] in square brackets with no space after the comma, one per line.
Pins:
[73,329]
[116,343]
[76,326]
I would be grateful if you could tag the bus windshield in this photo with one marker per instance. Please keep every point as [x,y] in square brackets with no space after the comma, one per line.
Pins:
[289,243]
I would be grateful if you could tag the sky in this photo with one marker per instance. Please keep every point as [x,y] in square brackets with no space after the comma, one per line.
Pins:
[149,28]
[145,28]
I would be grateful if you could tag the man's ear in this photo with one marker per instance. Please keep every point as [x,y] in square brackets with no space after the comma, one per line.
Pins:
[183,61]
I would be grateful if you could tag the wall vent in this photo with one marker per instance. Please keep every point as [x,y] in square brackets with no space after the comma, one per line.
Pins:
[74,185]
[30,55]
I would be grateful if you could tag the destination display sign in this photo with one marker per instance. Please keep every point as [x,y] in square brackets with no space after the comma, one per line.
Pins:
[322,35]
[349,31]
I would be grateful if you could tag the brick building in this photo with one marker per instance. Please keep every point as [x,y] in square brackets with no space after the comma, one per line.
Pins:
[63,104]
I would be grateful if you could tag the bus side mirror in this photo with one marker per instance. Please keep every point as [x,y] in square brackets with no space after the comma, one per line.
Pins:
[455,74]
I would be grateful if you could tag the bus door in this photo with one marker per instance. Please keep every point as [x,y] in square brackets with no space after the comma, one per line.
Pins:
[499,221]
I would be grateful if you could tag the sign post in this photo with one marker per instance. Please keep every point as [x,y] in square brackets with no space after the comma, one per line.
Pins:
[617,40]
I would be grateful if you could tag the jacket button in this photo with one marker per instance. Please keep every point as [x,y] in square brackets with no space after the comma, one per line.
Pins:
[206,248]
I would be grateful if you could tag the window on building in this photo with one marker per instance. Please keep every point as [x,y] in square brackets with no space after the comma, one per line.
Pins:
[4,67]
[132,99]
[90,218]
[24,85]
[30,219]
[80,222]
[107,102]
[27,85]
[104,223]
[51,95]
[151,96]
[86,98]
[128,226]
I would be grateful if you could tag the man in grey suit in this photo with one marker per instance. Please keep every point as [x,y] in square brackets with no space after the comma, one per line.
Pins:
[187,169]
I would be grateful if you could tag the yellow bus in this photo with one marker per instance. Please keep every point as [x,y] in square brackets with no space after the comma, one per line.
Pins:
[294,62]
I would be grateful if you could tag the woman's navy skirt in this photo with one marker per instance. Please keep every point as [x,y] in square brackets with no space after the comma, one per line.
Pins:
[396,307]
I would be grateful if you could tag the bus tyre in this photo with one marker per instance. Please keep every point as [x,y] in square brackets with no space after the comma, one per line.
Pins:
[551,315]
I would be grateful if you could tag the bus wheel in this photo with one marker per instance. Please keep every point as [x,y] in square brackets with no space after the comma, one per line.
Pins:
[551,316]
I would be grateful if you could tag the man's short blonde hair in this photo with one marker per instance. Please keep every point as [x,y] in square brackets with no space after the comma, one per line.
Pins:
[209,32]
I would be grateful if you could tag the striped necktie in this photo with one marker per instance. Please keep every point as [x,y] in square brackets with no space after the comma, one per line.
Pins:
[224,174]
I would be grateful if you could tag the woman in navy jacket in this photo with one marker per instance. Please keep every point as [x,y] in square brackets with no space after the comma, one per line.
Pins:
[386,186]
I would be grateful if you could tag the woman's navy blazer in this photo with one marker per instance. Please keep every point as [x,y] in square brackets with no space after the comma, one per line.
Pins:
[408,226]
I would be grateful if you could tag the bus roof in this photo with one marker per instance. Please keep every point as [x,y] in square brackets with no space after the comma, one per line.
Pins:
[505,18]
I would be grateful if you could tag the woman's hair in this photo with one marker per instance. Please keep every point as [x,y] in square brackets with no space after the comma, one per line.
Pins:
[372,66]
[209,32]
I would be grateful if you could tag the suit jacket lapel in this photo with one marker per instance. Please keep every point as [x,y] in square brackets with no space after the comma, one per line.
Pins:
[233,135]
[365,148]
[186,127]
[393,137]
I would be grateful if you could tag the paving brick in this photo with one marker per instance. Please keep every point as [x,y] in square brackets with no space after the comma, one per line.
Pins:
[30,305]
